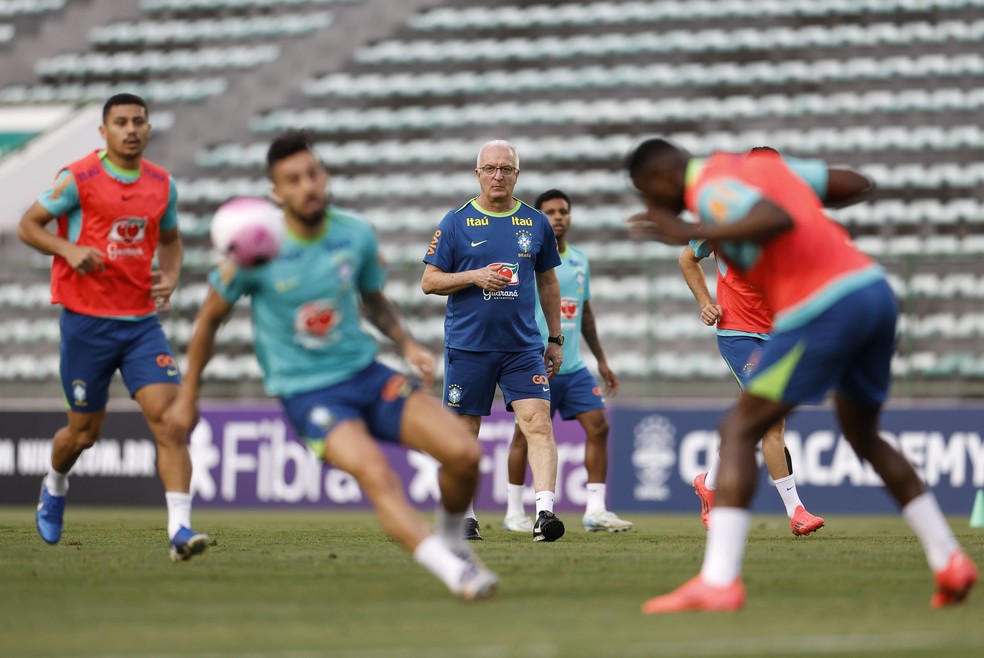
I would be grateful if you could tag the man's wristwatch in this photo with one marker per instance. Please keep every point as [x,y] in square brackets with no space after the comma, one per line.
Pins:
[559,339]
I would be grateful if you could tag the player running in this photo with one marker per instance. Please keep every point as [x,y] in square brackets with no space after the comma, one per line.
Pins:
[834,328]
[114,210]
[744,323]
[322,365]
[573,391]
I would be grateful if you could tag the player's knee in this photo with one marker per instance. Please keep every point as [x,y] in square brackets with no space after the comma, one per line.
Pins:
[463,459]
[536,425]
[84,438]
[597,431]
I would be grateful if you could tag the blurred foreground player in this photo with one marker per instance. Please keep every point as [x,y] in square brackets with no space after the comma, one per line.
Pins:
[835,317]
[114,210]
[321,364]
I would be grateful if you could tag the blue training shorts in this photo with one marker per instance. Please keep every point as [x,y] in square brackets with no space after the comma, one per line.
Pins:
[848,347]
[376,394]
[574,393]
[742,354]
[92,349]
[470,379]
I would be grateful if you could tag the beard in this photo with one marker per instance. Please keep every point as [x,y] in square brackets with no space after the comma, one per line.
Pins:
[314,217]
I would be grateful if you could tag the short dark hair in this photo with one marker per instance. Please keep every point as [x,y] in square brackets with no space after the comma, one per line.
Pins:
[286,145]
[550,195]
[123,99]
[764,149]
[649,150]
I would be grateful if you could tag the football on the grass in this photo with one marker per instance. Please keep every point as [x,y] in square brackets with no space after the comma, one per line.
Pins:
[248,230]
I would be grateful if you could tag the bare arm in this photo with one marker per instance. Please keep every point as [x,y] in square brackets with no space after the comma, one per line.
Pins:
[590,332]
[764,221]
[385,316]
[32,232]
[170,256]
[436,281]
[183,413]
[710,312]
[548,288]
[846,186]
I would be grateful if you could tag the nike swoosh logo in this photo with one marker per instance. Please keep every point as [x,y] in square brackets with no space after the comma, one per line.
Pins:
[172,373]
[789,488]
[475,244]
[546,388]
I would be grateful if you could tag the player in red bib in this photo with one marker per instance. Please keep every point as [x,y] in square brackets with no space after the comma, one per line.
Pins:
[744,325]
[834,328]
[114,211]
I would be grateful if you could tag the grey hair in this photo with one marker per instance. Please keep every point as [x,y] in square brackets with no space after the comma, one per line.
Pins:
[497,142]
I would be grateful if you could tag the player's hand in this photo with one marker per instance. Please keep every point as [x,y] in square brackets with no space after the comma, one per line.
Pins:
[182,416]
[162,289]
[662,226]
[710,314]
[84,259]
[421,361]
[488,278]
[608,378]
[553,357]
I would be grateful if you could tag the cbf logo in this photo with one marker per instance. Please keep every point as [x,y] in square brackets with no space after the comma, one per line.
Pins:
[321,418]
[525,241]
[579,278]
[454,395]
[653,456]
[752,363]
[78,393]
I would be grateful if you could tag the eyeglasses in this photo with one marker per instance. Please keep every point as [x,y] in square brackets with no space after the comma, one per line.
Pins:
[489,170]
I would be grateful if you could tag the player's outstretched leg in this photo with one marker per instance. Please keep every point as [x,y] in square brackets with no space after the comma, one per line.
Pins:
[426,425]
[718,587]
[954,572]
[780,465]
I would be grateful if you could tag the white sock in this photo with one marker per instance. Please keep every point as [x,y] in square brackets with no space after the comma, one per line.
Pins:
[470,512]
[56,483]
[711,481]
[726,534]
[451,527]
[178,511]
[514,500]
[544,501]
[787,491]
[435,556]
[923,515]
[596,498]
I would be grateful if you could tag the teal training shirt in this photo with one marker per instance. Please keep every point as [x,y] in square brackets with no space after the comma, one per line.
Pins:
[306,305]
[574,276]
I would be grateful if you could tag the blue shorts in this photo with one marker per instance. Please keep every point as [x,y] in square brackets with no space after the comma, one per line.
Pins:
[848,347]
[742,354]
[92,349]
[470,379]
[376,394]
[574,393]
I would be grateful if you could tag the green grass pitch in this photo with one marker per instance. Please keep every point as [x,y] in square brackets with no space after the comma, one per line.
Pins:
[306,584]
